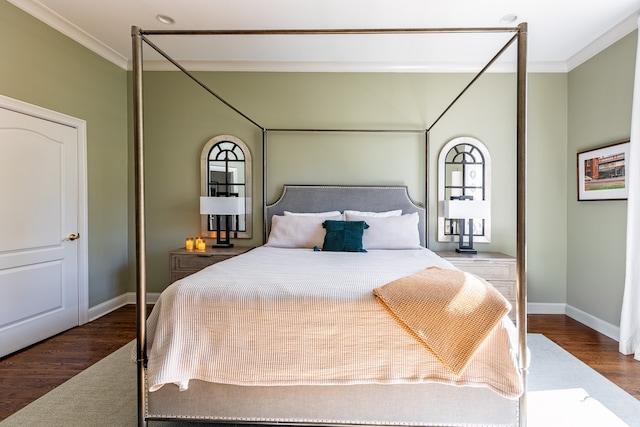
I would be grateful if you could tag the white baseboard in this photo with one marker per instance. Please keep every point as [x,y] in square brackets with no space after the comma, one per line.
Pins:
[107,307]
[546,308]
[587,319]
[115,303]
[605,328]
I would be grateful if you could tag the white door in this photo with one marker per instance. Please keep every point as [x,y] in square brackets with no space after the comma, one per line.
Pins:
[39,183]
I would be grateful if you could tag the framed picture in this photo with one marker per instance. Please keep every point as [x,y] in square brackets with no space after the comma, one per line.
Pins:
[601,173]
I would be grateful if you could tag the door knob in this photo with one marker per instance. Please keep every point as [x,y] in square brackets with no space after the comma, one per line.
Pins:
[73,236]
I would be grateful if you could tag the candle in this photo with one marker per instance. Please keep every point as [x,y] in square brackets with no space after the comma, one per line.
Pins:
[201,246]
[189,244]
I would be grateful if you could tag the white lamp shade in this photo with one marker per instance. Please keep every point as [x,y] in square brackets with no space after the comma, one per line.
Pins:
[222,205]
[466,209]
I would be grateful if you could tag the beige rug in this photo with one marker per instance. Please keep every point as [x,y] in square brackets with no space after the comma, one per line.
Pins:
[563,392]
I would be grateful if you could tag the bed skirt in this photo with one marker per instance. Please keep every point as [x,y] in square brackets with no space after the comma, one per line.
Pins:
[373,404]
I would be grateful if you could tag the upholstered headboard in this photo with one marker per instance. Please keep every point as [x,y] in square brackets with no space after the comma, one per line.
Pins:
[321,198]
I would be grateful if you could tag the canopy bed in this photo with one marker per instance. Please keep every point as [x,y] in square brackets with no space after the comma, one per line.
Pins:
[325,351]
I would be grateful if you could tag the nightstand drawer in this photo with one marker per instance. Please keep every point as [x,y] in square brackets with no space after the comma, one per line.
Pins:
[506,288]
[196,261]
[494,270]
[183,262]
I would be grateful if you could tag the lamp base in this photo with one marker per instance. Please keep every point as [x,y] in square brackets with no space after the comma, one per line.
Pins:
[466,251]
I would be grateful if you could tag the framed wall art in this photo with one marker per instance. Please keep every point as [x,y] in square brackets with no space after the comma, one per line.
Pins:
[602,174]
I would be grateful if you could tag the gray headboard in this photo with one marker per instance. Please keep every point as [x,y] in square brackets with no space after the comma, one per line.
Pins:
[320,198]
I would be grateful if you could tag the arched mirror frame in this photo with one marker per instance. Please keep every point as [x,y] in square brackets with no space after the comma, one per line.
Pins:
[204,185]
[446,186]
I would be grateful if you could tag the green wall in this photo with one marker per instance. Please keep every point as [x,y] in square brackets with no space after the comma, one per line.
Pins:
[45,68]
[180,118]
[600,94]
[575,250]
[547,188]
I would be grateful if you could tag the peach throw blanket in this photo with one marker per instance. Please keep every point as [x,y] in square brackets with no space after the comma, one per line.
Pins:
[450,312]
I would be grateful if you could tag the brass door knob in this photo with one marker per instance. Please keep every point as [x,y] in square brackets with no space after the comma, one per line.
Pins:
[73,236]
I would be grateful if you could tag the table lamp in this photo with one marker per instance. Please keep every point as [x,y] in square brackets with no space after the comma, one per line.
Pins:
[222,207]
[464,208]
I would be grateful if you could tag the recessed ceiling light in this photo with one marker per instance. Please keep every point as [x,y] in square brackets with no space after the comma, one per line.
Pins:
[509,19]
[165,19]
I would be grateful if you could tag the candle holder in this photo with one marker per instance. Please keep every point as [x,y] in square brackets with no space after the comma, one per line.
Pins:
[201,246]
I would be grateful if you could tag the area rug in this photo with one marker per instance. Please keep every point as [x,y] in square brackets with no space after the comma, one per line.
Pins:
[563,392]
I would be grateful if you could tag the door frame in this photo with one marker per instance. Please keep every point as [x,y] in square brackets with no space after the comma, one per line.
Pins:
[83,246]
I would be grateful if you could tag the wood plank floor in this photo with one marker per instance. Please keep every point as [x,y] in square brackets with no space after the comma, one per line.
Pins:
[30,373]
[596,350]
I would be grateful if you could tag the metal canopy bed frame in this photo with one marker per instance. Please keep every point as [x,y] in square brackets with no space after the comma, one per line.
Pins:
[519,37]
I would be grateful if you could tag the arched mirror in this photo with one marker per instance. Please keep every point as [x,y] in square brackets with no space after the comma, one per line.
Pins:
[464,192]
[225,165]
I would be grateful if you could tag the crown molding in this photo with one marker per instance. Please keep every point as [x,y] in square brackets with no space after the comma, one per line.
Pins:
[348,67]
[57,22]
[601,43]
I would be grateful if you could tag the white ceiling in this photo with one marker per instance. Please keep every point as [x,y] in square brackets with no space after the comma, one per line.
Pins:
[561,33]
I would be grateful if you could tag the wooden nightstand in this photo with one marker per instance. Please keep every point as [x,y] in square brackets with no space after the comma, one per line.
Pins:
[496,268]
[183,262]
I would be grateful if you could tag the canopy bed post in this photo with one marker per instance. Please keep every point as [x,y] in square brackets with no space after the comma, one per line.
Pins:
[264,184]
[141,291]
[521,202]
[514,411]
[426,186]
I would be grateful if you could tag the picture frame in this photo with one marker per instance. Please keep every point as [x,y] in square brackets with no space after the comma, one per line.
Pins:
[602,173]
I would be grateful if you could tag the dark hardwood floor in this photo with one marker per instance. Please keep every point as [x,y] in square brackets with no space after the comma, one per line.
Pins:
[596,350]
[30,373]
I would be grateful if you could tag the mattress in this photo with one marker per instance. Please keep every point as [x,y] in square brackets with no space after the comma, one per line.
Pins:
[292,317]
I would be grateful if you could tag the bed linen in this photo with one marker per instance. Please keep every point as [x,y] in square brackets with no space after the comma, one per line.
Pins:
[451,312]
[278,317]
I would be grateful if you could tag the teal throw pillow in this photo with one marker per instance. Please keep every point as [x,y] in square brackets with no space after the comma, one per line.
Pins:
[344,236]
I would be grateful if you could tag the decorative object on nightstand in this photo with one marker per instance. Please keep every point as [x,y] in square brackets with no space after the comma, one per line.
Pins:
[222,207]
[183,262]
[465,209]
[225,164]
[189,245]
[495,267]
[200,245]
[464,176]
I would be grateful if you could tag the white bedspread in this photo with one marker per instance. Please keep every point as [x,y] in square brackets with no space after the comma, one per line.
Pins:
[297,317]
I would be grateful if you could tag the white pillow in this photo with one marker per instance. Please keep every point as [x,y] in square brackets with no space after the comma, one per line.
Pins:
[330,213]
[348,214]
[298,231]
[392,232]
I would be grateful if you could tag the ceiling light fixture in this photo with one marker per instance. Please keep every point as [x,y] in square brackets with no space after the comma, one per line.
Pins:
[509,19]
[165,19]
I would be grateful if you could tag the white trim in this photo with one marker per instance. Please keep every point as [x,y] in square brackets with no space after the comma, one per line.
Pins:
[83,228]
[586,319]
[152,297]
[113,304]
[605,328]
[599,325]
[350,67]
[546,308]
[107,307]
[83,225]
[601,43]
[57,22]
[442,180]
